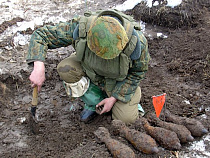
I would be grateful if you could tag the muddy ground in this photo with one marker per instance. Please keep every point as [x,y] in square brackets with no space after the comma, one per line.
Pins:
[179,67]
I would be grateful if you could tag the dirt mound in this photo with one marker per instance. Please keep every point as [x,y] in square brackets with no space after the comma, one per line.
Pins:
[187,14]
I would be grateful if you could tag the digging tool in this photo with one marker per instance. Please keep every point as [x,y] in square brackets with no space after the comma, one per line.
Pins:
[32,119]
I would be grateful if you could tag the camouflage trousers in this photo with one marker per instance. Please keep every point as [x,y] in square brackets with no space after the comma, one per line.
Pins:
[71,71]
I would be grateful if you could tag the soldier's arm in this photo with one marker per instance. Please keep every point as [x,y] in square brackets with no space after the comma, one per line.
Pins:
[47,37]
[50,37]
[125,89]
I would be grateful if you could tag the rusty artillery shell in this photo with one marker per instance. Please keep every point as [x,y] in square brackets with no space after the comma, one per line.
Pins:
[194,126]
[166,138]
[182,132]
[99,109]
[140,141]
[117,149]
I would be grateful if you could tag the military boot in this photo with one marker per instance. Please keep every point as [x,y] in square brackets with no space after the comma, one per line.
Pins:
[91,98]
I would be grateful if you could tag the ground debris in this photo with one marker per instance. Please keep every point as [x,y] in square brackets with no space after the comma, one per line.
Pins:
[183,15]
[4,88]
[9,23]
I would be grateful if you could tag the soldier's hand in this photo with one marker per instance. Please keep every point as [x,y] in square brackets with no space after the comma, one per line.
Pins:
[107,104]
[37,76]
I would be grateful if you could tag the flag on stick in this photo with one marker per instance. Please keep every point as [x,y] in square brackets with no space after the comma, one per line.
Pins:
[158,102]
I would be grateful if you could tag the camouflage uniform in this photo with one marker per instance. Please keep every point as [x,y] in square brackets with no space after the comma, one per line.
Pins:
[127,92]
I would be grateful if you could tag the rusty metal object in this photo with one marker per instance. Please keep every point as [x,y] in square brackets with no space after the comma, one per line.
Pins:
[166,138]
[117,149]
[140,141]
[182,132]
[194,126]
[99,109]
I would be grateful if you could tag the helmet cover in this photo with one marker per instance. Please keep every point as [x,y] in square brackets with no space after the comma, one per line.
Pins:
[106,37]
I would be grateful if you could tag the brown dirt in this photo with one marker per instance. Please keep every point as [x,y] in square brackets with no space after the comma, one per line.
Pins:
[179,68]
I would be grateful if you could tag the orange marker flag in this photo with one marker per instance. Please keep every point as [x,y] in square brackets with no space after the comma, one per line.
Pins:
[158,102]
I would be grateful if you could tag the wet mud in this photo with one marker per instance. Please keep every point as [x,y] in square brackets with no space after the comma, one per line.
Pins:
[179,67]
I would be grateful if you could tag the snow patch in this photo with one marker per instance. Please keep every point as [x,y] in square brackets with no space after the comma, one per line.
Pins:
[130,4]
[186,101]
[198,148]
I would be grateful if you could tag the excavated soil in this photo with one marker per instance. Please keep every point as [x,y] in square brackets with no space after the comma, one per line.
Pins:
[179,67]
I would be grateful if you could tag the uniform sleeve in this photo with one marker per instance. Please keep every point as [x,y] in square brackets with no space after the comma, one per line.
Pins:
[124,90]
[50,37]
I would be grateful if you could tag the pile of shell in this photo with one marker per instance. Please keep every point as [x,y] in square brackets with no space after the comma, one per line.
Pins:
[169,134]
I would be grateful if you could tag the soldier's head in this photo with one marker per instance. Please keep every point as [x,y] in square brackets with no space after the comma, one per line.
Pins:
[106,37]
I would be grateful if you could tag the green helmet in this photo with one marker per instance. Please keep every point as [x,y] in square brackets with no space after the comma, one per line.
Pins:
[106,37]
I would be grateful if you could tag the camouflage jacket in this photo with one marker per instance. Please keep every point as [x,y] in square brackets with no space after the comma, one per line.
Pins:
[61,35]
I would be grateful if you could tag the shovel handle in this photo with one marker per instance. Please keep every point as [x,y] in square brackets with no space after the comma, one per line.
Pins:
[35,96]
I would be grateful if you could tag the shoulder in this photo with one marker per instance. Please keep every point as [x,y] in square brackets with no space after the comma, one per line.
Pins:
[141,37]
